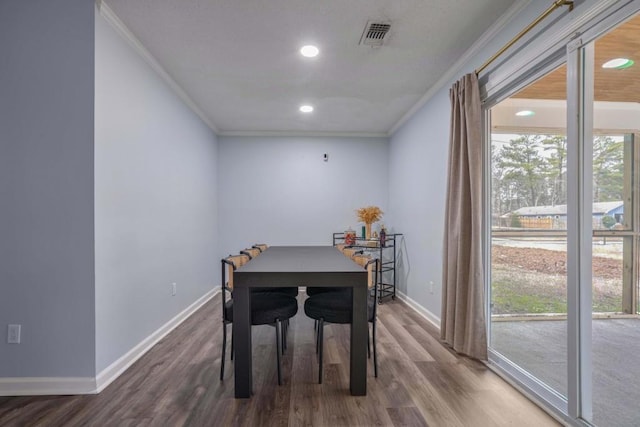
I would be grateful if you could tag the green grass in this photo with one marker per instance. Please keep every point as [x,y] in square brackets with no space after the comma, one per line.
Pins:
[524,292]
[607,303]
[507,298]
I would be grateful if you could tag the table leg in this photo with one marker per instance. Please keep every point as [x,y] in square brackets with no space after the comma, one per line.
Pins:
[242,341]
[359,331]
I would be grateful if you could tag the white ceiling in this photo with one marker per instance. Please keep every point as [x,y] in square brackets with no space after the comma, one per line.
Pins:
[238,60]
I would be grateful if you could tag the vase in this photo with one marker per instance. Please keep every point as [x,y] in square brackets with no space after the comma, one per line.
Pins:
[367,230]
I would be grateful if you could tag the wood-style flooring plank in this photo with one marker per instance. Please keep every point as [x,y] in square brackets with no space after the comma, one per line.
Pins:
[391,326]
[420,383]
[406,417]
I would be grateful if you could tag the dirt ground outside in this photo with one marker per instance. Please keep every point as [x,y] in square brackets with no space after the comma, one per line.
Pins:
[532,280]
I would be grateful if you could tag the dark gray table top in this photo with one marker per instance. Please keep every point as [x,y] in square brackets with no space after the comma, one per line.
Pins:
[301,259]
[295,266]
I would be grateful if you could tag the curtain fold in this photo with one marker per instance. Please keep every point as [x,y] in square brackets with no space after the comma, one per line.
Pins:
[463,324]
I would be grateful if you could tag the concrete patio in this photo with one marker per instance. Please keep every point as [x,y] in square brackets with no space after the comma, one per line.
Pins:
[540,347]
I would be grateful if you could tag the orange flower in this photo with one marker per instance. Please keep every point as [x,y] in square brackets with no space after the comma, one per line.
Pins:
[369,214]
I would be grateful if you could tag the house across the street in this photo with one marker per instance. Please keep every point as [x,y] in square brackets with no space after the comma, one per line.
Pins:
[555,217]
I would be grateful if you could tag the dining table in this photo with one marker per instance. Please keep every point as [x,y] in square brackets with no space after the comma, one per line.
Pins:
[290,266]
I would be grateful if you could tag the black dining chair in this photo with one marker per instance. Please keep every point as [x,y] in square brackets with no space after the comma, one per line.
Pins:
[269,308]
[336,307]
[251,252]
[292,291]
[261,246]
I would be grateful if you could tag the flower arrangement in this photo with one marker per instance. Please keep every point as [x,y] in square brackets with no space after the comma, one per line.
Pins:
[369,214]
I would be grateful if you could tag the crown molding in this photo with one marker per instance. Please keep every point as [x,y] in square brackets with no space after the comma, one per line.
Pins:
[305,134]
[110,16]
[454,70]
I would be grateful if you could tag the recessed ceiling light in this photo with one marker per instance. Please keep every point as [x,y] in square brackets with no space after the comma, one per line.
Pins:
[309,51]
[306,108]
[525,113]
[618,63]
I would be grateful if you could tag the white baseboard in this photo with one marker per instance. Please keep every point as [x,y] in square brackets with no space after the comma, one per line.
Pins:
[32,386]
[35,386]
[113,371]
[432,318]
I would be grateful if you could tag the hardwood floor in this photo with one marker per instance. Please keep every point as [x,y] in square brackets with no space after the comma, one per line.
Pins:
[420,383]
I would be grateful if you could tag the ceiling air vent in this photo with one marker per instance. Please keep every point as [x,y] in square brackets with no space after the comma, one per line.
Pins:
[374,33]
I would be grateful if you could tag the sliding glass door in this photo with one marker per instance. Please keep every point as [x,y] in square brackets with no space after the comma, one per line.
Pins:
[612,91]
[529,231]
[564,240]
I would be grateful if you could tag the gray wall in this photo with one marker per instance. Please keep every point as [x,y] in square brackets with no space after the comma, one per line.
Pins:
[46,187]
[278,190]
[417,185]
[155,200]
[418,156]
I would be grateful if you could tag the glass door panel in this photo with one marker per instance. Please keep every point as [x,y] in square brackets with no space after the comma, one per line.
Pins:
[528,272]
[615,324]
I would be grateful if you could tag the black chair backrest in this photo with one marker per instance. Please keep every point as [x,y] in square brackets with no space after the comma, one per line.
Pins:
[229,265]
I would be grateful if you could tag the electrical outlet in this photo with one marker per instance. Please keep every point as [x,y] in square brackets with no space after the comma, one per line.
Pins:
[431,286]
[13,334]
[174,289]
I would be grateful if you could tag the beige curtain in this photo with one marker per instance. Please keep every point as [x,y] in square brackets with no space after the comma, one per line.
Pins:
[463,314]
